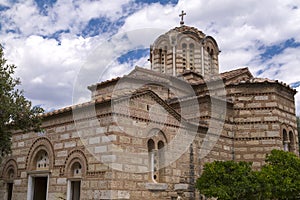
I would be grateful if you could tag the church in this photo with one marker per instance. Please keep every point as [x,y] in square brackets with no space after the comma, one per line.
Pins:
[148,134]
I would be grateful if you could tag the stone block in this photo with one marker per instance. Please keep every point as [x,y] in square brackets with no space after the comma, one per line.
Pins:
[108,158]
[61,181]
[18,182]
[248,156]
[65,136]
[62,153]
[114,128]
[21,159]
[59,129]
[123,194]
[70,127]
[272,134]
[181,187]
[100,149]
[109,138]
[271,104]
[70,144]
[125,139]
[58,146]
[94,140]
[21,144]
[23,174]
[257,149]
[156,186]
[101,130]
[261,98]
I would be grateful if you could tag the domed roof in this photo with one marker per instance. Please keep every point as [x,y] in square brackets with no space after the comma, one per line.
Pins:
[188,30]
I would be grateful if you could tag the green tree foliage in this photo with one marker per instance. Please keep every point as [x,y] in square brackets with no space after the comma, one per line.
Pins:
[281,175]
[16,112]
[229,180]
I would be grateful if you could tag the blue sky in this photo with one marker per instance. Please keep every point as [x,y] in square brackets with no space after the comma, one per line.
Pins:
[50,40]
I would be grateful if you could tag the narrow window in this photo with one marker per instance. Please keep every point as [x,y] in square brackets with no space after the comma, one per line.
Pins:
[161,156]
[285,140]
[184,55]
[291,141]
[191,56]
[152,160]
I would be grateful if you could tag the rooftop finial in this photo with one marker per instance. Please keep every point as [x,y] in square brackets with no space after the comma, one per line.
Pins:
[181,15]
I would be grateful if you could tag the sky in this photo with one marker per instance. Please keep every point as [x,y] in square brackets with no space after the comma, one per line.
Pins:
[52,41]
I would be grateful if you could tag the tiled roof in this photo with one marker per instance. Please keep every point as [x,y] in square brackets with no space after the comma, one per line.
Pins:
[225,76]
[70,108]
[234,73]
[94,86]
[266,80]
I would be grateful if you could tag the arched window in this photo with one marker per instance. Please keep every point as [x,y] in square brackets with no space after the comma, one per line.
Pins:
[191,56]
[156,152]
[161,158]
[291,142]
[211,57]
[76,169]
[285,140]
[9,173]
[153,161]
[42,160]
[74,181]
[184,56]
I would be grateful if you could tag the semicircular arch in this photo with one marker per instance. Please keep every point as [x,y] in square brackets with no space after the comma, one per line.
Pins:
[76,156]
[38,145]
[10,164]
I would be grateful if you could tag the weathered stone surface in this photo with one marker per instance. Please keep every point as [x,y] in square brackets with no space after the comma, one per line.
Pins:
[156,186]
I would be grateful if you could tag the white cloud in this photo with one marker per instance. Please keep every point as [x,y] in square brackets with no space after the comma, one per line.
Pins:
[48,68]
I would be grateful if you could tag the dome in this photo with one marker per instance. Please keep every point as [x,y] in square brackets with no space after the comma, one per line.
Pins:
[183,49]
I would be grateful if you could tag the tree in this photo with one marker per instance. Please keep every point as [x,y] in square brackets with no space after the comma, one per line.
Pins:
[227,180]
[16,112]
[278,179]
[281,175]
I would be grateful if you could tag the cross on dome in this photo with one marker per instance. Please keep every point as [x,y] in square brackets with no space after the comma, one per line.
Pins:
[181,15]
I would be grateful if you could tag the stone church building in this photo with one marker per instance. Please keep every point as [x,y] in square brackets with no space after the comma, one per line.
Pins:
[147,135]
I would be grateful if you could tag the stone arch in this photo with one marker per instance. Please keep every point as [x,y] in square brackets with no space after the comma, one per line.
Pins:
[287,134]
[211,42]
[157,135]
[76,156]
[41,144]
[283,127]
[10,170]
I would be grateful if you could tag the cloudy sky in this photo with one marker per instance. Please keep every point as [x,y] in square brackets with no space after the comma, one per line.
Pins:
[52,40]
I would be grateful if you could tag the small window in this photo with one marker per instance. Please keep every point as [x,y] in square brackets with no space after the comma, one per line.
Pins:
[285,140]
[291,142]
[42,160]
[77,169]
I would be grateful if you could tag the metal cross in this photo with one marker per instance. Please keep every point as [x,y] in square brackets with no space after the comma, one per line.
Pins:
[181,15]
